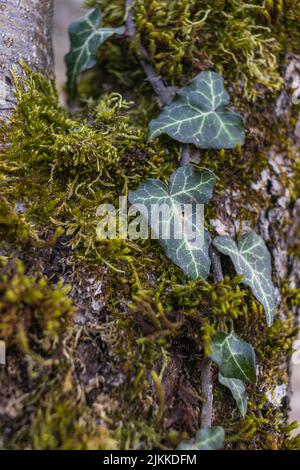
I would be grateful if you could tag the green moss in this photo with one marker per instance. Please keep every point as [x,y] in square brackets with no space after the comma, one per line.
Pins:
[155,313]
[179,37]
[14,226]
[33,314]
[245,42]
[59,167]
[296,177]
[292,441]
[55,415]
[61,424]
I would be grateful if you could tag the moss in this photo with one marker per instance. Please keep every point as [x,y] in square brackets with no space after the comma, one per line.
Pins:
[240,40]
[282,16]
[61,424]
[245,42]
[248,40]
[61,168]
[292,442]
[155,313]
[14,226]
[55,416]
[33,314]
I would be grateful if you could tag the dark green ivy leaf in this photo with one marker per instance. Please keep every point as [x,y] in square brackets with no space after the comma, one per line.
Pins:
[187,186]
[235,357]
[206,439]
[199,115]
[252,260]
[238,390]
[86,36]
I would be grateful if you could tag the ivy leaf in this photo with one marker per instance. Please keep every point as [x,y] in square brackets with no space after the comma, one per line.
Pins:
[86,36]
[238,390]
[198,115]
[186,186]
[206,439]
[252,260]
[235,357]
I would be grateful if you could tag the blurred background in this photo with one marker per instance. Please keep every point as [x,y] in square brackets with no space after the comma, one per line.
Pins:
[67,11]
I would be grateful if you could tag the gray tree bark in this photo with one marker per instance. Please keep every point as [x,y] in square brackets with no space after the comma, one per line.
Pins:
[25,35]
[278,224]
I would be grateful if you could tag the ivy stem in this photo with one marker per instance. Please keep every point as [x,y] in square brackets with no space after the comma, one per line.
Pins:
[185,155]
[206,372]
[162,92]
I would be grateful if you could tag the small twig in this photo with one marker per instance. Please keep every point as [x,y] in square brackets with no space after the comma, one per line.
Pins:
[130,25]
[206,373]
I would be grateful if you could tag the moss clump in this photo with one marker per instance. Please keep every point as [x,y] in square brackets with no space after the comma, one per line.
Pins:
[59,169]
[137,360]
[243,41]
[33,314]
[155,314]
[187,36]
[54,414]
[173,318]
[14,226]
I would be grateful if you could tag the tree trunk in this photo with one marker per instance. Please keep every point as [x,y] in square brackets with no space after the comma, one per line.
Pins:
[25,36]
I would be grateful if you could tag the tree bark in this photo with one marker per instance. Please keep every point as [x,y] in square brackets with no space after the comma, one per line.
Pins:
[25,36]
[278,223]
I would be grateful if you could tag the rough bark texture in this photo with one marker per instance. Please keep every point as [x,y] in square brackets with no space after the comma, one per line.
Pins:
[25,35]
[131,316]
[278,224]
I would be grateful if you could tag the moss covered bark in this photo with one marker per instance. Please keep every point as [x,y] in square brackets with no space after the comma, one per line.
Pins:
[25,36]
[115,361]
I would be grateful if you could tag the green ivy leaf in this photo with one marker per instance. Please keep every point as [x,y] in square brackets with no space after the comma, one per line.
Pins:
[187,186]
[238,391]
[206,439]
[86,37]
[235,357]
[252,260]
[198,115]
